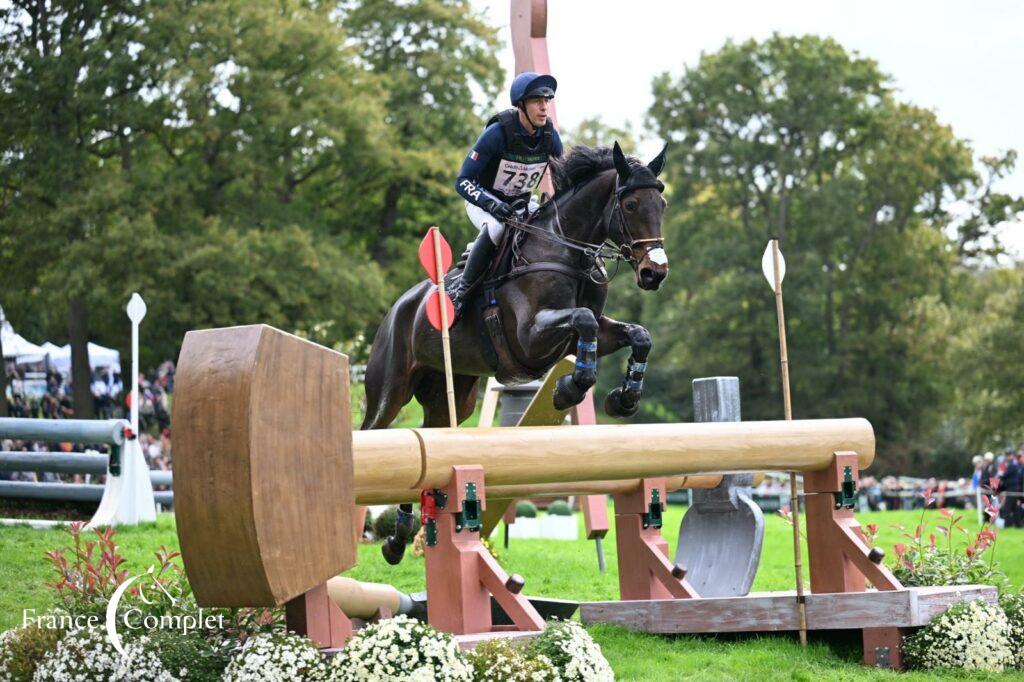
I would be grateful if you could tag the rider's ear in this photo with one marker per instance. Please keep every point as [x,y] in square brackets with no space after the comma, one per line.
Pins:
[621,165]
[658,163]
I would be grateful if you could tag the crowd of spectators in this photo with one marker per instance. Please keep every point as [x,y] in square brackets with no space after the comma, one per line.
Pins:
[111,401]
[999,478]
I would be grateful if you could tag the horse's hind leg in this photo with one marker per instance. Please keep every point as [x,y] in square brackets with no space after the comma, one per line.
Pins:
[431,393]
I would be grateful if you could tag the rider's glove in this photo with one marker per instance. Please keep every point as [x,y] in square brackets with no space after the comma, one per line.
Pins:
[501,210]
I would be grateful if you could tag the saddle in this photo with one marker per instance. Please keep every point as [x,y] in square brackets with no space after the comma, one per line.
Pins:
[507,368]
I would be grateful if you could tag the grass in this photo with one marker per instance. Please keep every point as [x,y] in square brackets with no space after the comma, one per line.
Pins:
[567,570]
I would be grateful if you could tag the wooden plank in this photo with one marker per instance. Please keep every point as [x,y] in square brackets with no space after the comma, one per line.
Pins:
[763,612]
[932,601]
[489,406]
[541,410]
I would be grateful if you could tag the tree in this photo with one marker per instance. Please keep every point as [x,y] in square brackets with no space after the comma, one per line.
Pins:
[986,359]
[138,137]
[435,58]
[795,138]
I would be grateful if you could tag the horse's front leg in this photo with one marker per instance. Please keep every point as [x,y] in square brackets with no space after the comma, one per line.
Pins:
[572,388]
[624,401]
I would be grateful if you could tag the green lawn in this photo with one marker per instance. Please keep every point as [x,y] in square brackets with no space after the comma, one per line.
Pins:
[560,569]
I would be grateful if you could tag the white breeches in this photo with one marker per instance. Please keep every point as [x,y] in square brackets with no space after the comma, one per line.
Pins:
[485,221]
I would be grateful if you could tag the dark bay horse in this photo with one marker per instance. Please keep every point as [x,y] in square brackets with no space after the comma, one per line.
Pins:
[551,306]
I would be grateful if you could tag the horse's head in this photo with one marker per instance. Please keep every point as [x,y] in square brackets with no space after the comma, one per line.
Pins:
[635,223]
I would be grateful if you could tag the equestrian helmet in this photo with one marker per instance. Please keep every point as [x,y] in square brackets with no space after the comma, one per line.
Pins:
[530,84]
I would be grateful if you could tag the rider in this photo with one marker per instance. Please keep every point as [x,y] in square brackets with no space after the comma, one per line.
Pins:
[502,170]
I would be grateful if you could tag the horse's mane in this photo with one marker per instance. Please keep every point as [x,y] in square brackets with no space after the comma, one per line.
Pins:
[581,164]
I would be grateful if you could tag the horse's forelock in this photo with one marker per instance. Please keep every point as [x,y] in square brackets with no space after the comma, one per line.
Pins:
[643,177]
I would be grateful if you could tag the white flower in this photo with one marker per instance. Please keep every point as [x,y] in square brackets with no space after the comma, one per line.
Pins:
[277,658]
[84,655]
[972,636]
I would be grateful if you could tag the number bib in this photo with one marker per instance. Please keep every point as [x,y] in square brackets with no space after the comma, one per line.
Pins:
[514,177]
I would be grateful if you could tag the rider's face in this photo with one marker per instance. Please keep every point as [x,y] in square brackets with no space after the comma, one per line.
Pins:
[537,110]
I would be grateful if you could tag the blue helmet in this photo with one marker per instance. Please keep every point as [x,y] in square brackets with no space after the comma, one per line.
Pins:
[529,84]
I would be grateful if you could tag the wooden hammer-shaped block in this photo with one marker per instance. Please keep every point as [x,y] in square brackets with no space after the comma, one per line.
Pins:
[263,475]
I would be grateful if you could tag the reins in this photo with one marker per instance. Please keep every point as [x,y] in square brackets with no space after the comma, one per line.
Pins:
[595,253]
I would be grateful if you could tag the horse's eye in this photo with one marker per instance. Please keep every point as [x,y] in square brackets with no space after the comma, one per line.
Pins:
[630,204]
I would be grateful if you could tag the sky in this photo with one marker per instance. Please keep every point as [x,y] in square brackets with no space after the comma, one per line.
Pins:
[964,60]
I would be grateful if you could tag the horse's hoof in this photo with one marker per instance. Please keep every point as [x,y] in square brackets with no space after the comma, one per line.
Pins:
[567,393]
[613,406]
[393,550]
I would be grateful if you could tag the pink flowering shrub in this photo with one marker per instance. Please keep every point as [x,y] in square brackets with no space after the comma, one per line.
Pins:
[930,556]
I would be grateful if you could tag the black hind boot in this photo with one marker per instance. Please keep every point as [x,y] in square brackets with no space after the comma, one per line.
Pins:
[476,267]
[393,548]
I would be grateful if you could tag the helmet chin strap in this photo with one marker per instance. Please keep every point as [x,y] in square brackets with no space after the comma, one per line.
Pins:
[522,108]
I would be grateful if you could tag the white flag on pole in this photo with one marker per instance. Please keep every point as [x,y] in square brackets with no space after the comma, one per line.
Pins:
[768,266]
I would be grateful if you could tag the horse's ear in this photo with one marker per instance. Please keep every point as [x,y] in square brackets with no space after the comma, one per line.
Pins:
[657,164]
[621,165]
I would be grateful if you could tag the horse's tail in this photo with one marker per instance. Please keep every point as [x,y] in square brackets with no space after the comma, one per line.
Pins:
[389,369]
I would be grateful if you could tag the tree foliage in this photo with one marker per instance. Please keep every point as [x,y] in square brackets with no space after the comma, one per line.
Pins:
[796,138]
[226,159]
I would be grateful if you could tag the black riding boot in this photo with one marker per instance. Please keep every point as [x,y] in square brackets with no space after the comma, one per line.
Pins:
[476,266]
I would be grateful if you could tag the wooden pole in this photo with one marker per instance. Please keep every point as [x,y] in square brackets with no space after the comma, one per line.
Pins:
[788,407]
[453,419]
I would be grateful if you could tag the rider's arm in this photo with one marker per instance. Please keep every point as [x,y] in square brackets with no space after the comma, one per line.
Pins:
[467,184]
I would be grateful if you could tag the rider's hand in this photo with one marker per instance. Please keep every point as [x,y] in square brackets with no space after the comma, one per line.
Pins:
[501,210]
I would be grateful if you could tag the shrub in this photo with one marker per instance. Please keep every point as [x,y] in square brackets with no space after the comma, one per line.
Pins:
[1013,607]
[277,658]
[22,649]
[559,508]
[190,654]
[526,509]
[87,655]
[400,649]
[501,660]
[88,570]
[971,636]
[384,525]
[935,561]
[573,652]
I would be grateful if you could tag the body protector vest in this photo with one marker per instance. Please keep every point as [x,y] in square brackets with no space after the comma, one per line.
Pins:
[522,164]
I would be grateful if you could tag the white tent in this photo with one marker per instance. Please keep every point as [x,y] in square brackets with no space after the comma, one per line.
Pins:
[15,346]
[99,356]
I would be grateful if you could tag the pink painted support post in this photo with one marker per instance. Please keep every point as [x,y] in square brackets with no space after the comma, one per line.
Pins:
[645,571]
[595,507]
[316,616]
[529,25]
[461,574]
[839,558]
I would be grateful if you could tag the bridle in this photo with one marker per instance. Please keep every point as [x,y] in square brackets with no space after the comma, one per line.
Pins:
[627,244]
[597,253]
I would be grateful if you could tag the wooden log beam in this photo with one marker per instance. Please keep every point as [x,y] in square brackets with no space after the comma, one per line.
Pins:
[397,459]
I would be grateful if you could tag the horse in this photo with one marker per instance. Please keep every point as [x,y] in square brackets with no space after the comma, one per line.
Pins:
[553,297]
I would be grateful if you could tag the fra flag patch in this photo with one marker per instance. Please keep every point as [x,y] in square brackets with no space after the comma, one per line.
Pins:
[474,155]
